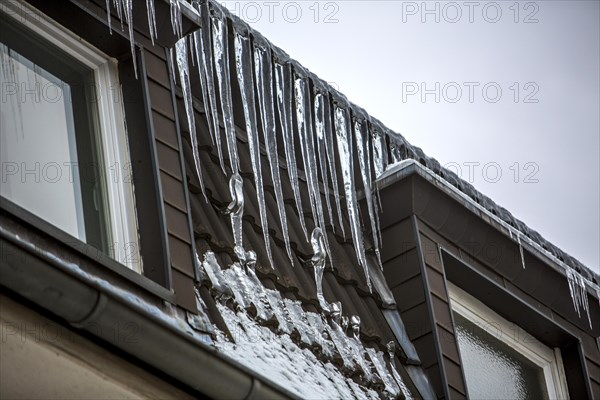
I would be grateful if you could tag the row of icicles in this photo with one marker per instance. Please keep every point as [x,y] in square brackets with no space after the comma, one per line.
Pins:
[274,83]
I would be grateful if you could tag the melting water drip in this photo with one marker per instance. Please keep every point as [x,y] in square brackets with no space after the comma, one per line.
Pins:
[283,83]
[304,122]
[264,78]
[319,109]
[151,19]
[344,141]
[176,21]
[184,77]
[318,263]
[364,158]
[221,56]
[206,69]
[243,63]
[236,208]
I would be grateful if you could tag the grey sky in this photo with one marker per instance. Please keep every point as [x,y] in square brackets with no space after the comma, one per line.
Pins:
[541,133]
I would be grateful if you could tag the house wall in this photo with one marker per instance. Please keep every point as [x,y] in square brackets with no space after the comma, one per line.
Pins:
[40,359]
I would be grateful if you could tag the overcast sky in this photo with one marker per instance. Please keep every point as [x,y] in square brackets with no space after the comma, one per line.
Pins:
[505,94]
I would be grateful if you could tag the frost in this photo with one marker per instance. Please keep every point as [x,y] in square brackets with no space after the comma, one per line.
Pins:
[243,62]
[283,82]
[364,159]
[184,77]
[264,81]
[221,57]
[344,141]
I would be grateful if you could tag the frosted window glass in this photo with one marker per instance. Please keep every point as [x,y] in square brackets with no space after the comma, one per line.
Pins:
[494,370]
[37,143]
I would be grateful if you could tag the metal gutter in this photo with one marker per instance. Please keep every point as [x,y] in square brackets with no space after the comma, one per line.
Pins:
[37,270]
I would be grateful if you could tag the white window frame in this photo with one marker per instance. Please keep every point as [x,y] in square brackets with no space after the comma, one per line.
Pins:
[112,139]
[548,359]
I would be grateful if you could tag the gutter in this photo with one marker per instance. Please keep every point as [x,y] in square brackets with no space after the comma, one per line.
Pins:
[400,170]
[35,270]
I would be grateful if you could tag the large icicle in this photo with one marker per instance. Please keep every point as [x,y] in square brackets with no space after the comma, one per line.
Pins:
[304,123]
[221,55]
[283,81]
[207,80]
[128,11]
[344,141]
[243,62]
[361,131]
[330,150]
[176,21]
[151,19]
[321,149]
[184,77]
[318,263]
[264,83]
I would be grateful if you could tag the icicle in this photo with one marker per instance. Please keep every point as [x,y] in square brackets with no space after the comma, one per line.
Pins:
[264,80]
[391,347]
[364,159]
[184,77]
[221,54]
[378,360]
[206,69]
[108,18]
[236,208]
[378,152]
[318,263]
[344,141]
[172,62]
[305,130]
[151,20]
[598,295]
[395,152]
[243,63]
[118,4]
[176,21]
[321,153]
[355,326]
[128,8]
[283,79]
[521,249]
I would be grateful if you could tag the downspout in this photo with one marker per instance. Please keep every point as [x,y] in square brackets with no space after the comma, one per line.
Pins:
[86,302]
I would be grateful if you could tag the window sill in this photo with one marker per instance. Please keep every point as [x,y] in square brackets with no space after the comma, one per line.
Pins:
[48,239]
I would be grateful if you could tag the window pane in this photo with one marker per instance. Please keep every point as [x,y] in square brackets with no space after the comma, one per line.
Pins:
[38,149]
[494,370]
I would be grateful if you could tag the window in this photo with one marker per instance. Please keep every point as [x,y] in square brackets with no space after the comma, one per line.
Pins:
[501,360]
[63,148]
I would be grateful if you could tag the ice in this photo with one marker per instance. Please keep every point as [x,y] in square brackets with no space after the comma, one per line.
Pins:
[321,152]
[378,360]
[364,158]
[344,141]
[578,291]
[236,208]
[330,150]
[176,21]
[128,11]
[221,56]
[264,82]
[318,263]
[108,17]
[378,151]
[283,83]
[206,63]
[151,19]
[243,62]
[521,249]
[305,130]
[184,77]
